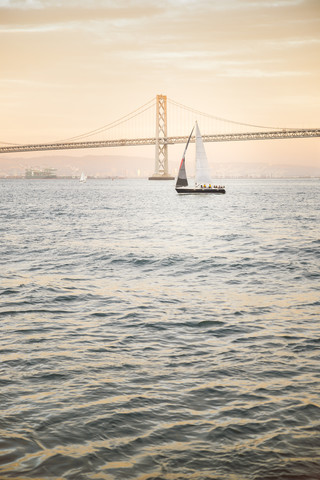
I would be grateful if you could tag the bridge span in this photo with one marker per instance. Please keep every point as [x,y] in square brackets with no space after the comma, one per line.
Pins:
[131,142]
[161,140]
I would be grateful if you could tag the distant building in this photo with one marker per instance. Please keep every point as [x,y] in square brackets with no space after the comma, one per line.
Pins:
[40,173]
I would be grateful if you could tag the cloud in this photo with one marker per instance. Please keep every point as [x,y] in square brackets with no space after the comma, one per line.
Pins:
[205,36]
[48,14]
[255,73]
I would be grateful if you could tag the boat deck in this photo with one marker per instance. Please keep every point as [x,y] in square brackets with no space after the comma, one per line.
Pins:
[200,190]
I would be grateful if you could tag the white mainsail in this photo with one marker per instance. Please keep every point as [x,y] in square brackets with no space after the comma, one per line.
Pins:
[83,178]
[202,176]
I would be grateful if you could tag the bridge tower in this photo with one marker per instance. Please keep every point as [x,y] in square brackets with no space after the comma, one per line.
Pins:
[161,152]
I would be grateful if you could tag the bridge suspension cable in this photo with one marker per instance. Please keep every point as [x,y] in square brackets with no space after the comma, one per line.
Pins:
[220,119]
[147,106]
[8,143]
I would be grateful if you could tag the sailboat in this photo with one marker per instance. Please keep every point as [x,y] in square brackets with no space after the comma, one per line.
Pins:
[203,182]
[83,178]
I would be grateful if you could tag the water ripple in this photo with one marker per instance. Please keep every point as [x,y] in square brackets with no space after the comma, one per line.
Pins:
[149,337]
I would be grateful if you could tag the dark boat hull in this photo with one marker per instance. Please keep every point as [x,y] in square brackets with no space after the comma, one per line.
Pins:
[200,190]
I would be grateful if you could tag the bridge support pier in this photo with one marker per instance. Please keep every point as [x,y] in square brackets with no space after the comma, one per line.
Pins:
[161,152]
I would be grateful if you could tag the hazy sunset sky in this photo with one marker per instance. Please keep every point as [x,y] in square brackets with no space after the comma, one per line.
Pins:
[71,66]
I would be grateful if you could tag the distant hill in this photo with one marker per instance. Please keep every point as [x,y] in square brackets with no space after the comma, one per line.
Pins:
[135,167]
[92,165]
[265,170]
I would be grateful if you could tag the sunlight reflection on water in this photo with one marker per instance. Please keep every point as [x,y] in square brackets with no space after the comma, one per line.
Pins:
[149,336]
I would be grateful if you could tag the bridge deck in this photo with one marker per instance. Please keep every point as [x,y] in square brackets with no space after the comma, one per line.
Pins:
[269,135]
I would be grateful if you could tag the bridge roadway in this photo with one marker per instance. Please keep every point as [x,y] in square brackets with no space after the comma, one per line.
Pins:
[231,137]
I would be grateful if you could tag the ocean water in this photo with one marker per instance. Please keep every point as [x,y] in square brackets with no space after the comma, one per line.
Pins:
[151,336]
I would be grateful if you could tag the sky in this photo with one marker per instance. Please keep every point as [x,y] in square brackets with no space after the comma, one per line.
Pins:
[71,66]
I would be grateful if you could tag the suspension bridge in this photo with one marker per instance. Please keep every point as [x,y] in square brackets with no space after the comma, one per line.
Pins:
[154,114]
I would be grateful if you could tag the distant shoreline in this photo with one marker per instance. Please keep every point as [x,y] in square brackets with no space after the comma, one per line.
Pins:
[249,177]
